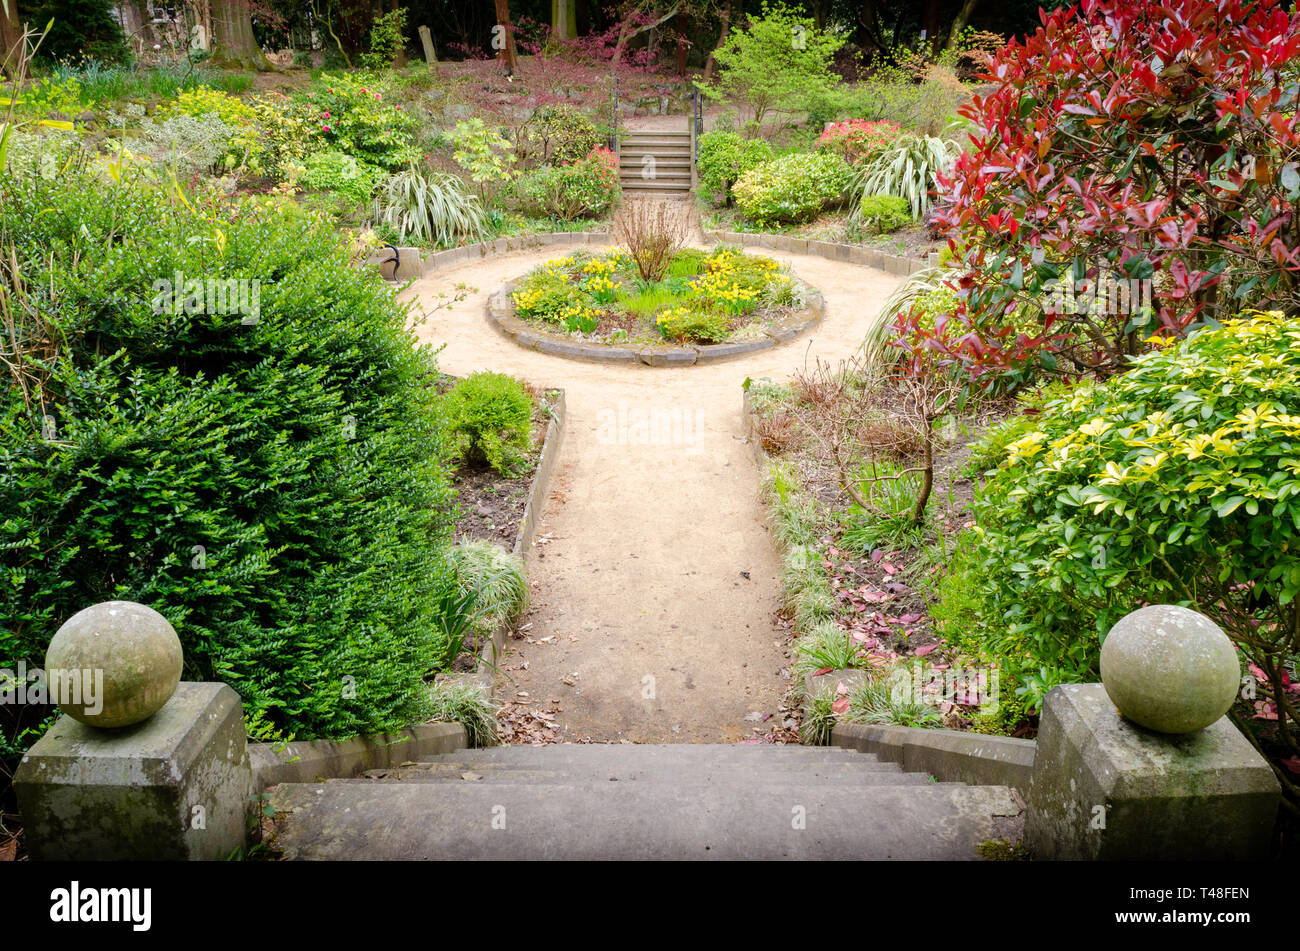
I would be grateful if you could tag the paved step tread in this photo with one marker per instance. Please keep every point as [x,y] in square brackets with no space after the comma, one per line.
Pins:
[417,821]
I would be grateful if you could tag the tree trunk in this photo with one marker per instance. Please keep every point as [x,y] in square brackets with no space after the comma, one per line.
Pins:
[11,36]
[564,19]
[508,40]
[927,475]
[725,18]
[683,46]
[959,24]
[930,22]
[399,60]
[236,45]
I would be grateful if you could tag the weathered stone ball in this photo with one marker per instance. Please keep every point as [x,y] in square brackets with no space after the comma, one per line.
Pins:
[1169,669]
[126,661]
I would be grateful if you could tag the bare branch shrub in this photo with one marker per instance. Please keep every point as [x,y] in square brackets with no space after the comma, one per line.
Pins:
[858,412]
[653,231]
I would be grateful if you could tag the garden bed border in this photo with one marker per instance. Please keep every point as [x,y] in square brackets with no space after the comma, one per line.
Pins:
[485,672]
[849,253]
[416,262]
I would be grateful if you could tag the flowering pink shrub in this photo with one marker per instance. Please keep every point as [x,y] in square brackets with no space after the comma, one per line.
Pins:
[855,139]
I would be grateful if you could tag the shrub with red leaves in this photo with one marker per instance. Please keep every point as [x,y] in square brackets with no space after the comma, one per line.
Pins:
[1127,139]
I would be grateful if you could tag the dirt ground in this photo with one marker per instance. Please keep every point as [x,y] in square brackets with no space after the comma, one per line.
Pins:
[654,580]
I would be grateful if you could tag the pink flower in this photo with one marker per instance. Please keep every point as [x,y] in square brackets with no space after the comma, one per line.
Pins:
[325,128]
[326,114]
[376,95]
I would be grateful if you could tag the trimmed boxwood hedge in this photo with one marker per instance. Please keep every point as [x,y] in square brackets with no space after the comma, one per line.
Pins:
[275,487]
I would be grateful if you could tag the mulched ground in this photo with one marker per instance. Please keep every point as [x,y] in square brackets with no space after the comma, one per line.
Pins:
[883,592]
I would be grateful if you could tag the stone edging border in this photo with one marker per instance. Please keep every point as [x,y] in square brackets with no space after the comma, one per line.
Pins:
[308,761]
[850,253]
[500,314]
[414,262]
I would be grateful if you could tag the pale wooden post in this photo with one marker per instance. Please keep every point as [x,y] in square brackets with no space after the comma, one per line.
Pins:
[430,54]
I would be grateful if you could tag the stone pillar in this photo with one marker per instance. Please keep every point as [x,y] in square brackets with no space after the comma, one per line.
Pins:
[167,778]
[175,787]
[1170,778]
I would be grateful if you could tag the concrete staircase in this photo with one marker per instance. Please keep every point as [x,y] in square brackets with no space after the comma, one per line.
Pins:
[755,801]
[656,163]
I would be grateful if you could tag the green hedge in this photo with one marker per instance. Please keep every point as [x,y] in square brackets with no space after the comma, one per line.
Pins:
[276,487]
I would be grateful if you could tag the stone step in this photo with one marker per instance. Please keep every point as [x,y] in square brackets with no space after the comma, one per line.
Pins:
[559,777]
[657,135]
[636,821]
[675,159]
[650,187]
[675,177]
[597,769]
[641,160]
[861,775]
[643,756]
[674,154]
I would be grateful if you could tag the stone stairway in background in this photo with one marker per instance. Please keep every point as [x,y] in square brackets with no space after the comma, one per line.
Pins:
[755,801]
[655,163]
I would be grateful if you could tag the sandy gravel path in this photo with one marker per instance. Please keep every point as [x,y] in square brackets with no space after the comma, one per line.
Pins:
[658,581]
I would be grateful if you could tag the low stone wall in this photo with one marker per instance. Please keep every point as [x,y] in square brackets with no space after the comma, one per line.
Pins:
[416,262]
[314,760]
[950,756]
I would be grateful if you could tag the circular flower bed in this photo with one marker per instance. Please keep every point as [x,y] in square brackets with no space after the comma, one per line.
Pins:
[704,297]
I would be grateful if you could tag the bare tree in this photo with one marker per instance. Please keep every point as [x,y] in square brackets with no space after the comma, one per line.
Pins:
[640,16]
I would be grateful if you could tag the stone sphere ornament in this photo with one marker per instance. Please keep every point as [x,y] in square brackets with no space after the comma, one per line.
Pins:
[125,659]
[1169,669]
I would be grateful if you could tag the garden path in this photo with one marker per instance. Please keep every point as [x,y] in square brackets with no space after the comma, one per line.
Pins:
[654,567]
